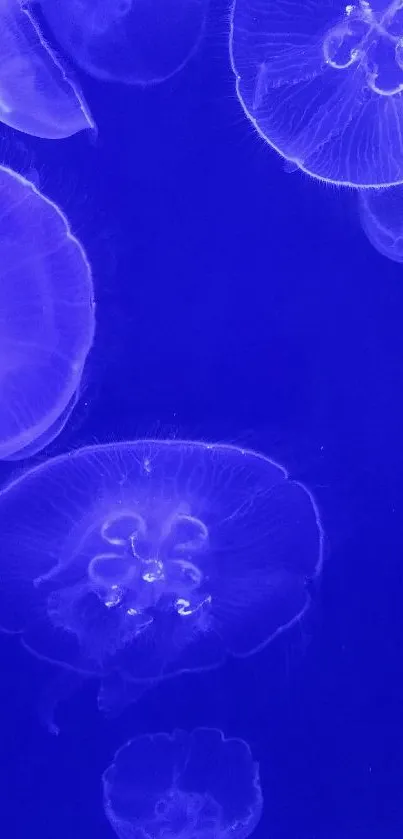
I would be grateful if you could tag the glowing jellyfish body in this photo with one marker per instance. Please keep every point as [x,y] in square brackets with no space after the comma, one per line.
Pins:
[36,96]
[46,317]
[322,82]
[381,214]
[139,560]
[195,785]
[130,41]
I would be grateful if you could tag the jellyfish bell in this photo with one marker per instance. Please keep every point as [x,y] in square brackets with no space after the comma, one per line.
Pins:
[136,43]
[38,444]
[135,561]
[197,784]
[322,83]
[381,216]
[36,95]
[47,318]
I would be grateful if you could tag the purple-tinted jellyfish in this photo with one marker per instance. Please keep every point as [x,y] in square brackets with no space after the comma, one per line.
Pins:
[46,317]
[136,561]
[322,82]
[36,96]
[49,434]
[183,786]
[138,42]
[381,215]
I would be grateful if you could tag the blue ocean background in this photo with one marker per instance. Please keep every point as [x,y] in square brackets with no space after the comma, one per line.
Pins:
[237,302]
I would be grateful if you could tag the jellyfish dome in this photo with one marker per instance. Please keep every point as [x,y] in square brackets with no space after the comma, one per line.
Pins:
[137,42]
[153,557]
[36,96]
[381,215]
[322,82]
[46,317]
[195,785]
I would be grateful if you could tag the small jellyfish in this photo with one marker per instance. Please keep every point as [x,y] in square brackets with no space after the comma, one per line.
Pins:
[46,317]
[381,215]
[322,83]
[135,561]
[196,785]
[36,96]
[138,42]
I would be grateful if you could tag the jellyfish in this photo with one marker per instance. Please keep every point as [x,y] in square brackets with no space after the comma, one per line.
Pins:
[381,215]
[47,436]
[47,317]
[36,96]
[132,562]
[322,83]
[196,785]
[137,42]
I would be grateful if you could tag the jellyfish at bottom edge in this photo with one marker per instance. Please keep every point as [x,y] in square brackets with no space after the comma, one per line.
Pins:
[196,785]
[381,217]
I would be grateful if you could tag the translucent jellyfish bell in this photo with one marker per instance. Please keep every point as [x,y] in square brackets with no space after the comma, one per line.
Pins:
[381,215]
[36,96]
[131,41]
[322,82]
[183,786]
[135,561]
[46,317]
[48,435]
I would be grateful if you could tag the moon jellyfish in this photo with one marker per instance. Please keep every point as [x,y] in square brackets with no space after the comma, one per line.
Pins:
[36,96]
[136,42]
[195,785]
[135,561]
[49,434]
[381,215]
[46,317]
[322,82]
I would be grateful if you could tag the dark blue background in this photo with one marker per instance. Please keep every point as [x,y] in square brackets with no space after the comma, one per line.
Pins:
[236,302]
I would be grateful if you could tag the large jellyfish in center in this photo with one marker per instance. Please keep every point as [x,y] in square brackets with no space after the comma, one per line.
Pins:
[196,785]
[135,561]
[36,96]
[136,42]
[322,82]
[47,317]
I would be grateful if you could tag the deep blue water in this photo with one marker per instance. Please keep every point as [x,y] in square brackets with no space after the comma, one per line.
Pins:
[241,303]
